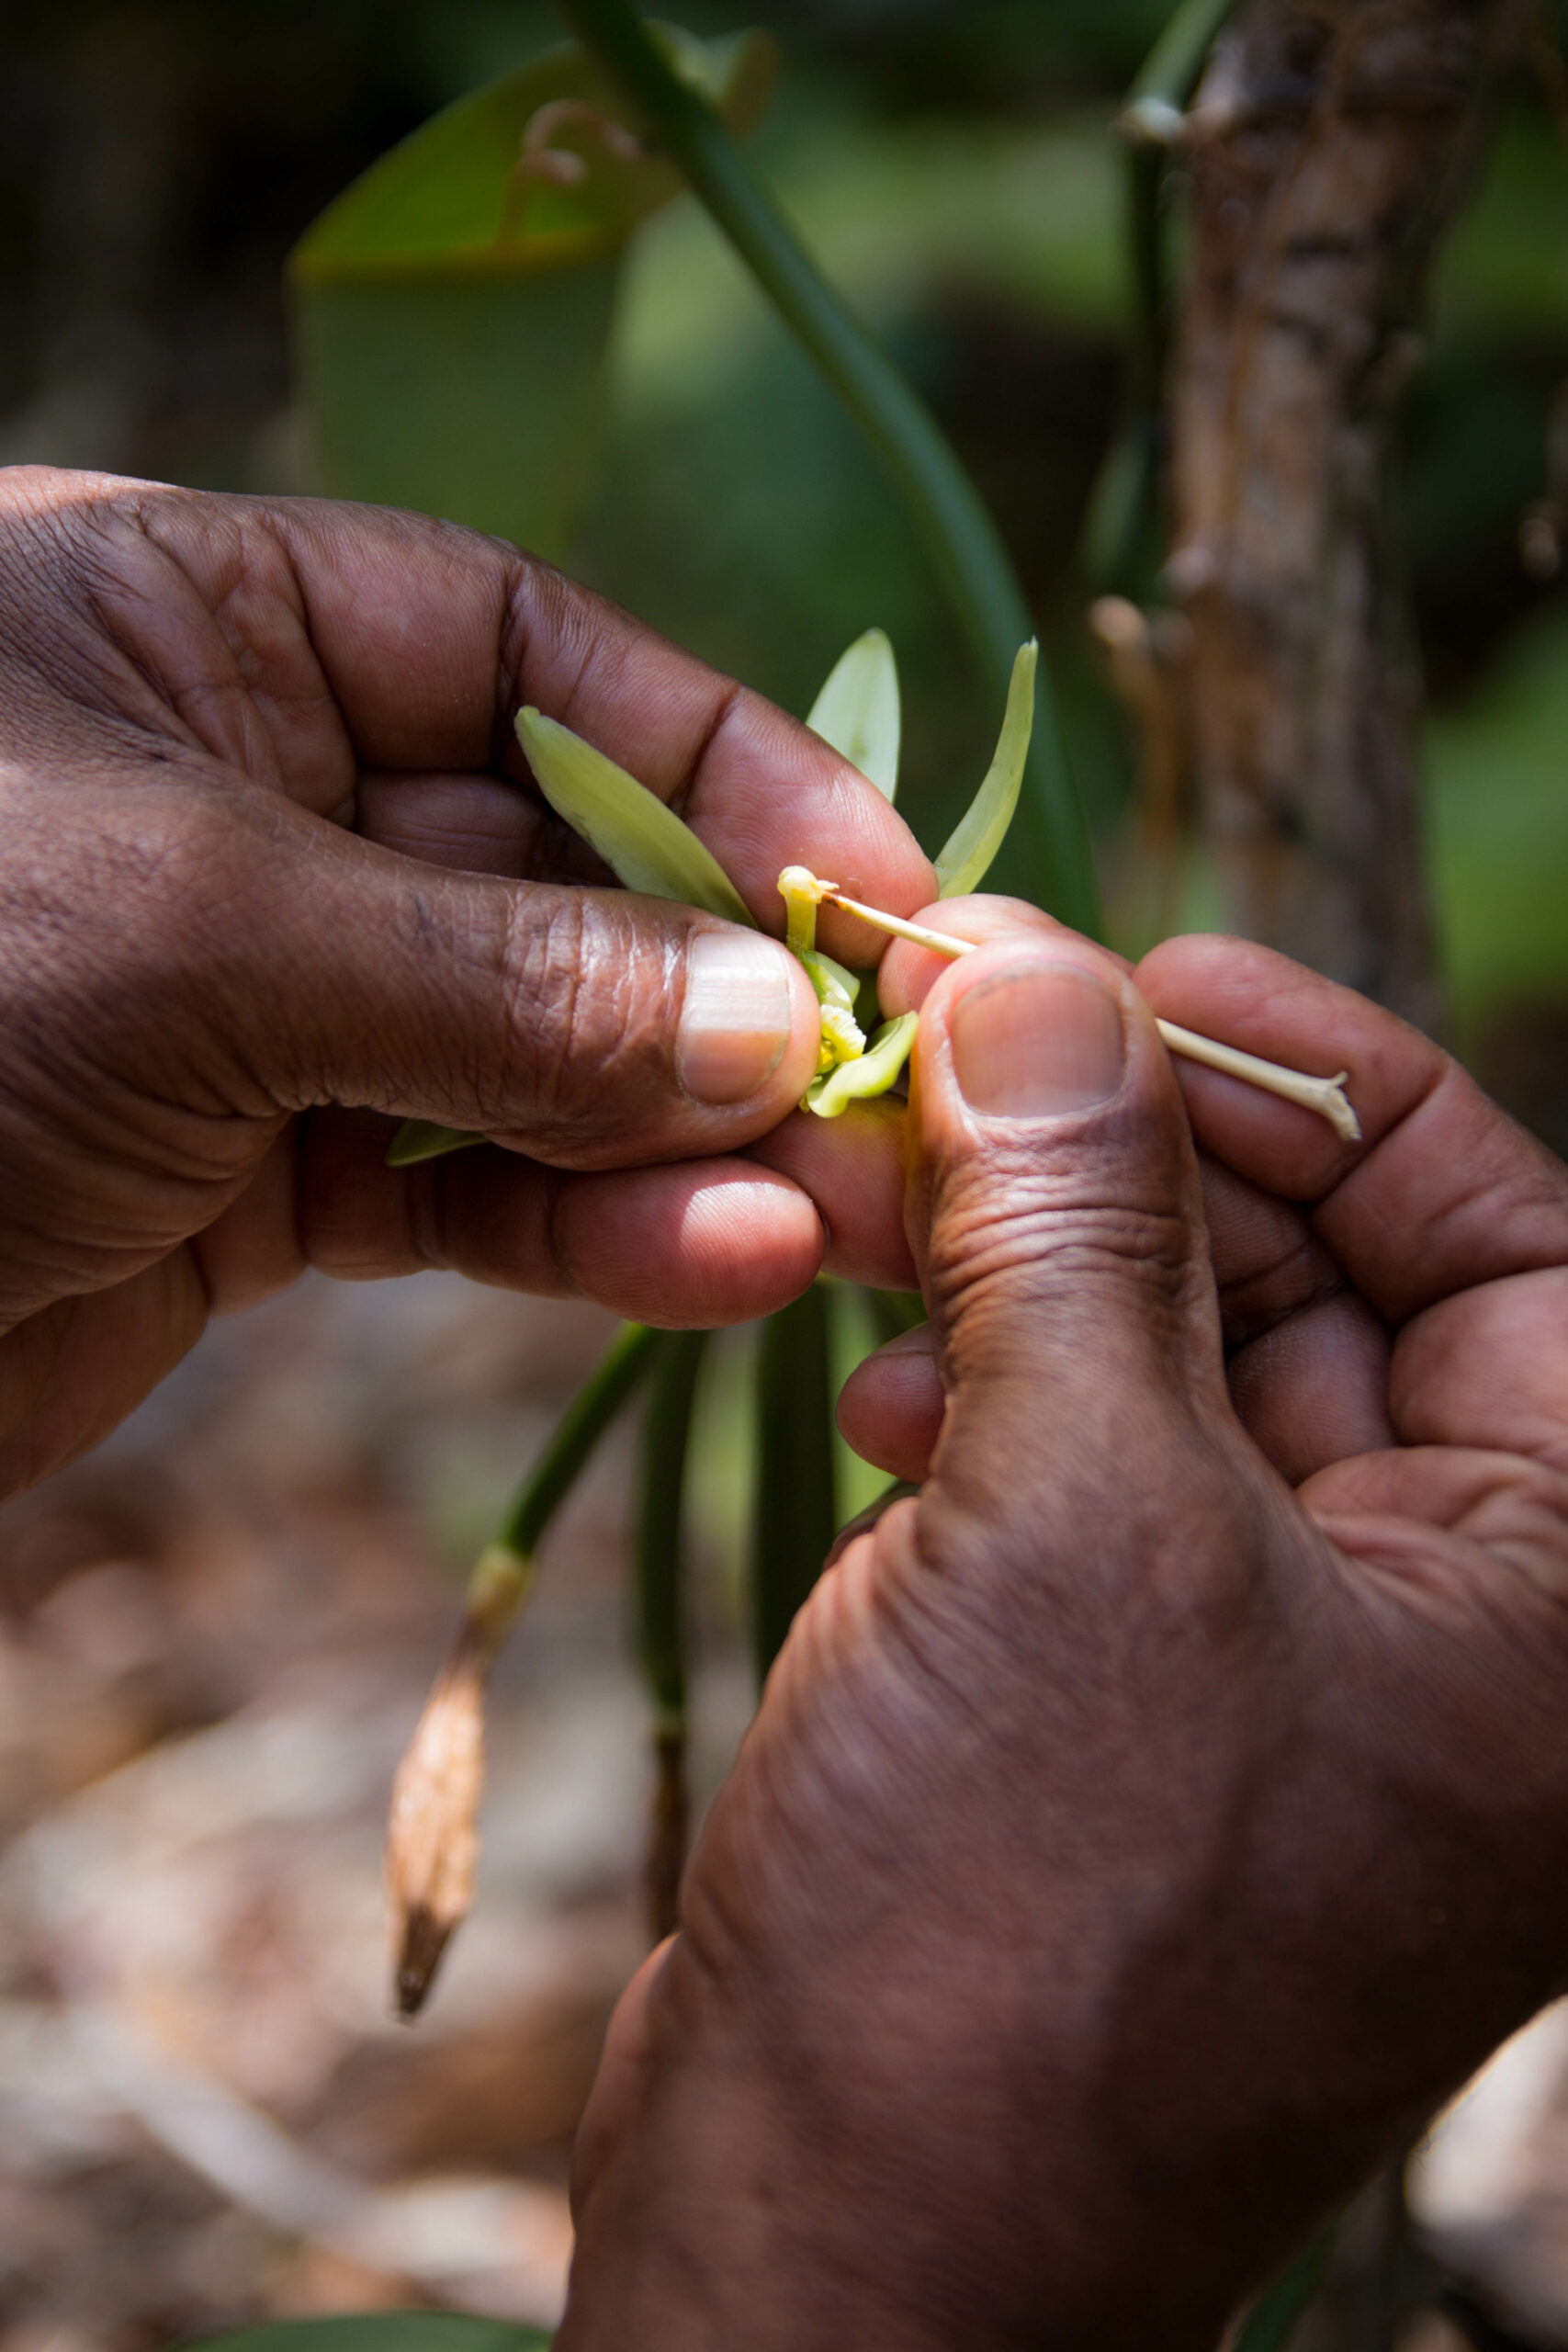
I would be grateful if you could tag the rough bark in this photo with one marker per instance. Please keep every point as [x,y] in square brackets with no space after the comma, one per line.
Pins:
[1330,140]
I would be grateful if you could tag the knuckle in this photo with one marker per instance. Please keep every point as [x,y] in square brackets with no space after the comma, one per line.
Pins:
[1035,1239]
[590,1005]
[179,879]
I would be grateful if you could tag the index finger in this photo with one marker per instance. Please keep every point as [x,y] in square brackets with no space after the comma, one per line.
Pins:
[430,636]
[1443,1192]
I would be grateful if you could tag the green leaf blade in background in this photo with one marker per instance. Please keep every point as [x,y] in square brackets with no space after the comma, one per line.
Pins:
[858,710]
[479,398]
[452,321]
[380,2332]
[662,1614]
[795,1515]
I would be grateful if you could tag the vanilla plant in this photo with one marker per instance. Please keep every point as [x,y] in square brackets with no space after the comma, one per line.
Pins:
[649,849]
[432,1839]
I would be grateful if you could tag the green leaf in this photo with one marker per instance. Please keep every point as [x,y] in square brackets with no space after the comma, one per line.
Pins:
[661,1555]
[452,313]
[380,2332]
[659,1580]
[894,1312]
[644,844]
[872,1072]
[858,713]
[962,866]
[419,1140]
[1272,2321]
[794,1514]
[479,400]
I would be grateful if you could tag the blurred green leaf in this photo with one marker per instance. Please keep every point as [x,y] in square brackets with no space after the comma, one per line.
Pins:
[1271,2323]
[380,2332]
[1504,269]
[858,710]
[419,1140]
[661,1537]
[962,863]
[660,1595]
[452,308]
[477,399]
[1499,832]
[645,844]
[794,1511]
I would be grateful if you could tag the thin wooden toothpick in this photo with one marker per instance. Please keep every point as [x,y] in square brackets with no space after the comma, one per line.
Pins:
[1326,1096]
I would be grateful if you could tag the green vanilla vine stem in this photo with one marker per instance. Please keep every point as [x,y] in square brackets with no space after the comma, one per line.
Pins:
[1157,103]
[960,534]
[596,1404]
[1119,533]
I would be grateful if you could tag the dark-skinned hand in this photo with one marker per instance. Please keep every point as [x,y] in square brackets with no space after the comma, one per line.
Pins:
[1147,1826]
[270,848]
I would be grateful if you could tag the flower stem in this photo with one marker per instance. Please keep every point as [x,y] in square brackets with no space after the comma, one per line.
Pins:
[578,1431]
[960,534]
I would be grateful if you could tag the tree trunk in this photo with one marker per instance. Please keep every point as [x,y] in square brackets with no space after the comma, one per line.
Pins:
[1330,140]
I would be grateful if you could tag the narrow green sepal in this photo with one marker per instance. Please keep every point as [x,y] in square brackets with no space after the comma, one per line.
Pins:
[872,1073]
[858,710]
[963,865]
[834,982]
[644,844]
[419,1140]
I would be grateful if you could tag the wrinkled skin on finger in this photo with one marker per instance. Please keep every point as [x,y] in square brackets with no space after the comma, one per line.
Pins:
[277,876]
[1145,1828]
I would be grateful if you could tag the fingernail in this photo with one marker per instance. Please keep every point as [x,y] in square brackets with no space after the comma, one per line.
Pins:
[736,1017]
[1037,1043]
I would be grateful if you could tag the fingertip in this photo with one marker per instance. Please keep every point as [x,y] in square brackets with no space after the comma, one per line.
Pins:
[690,1247]
[852,1168]
[623,2066]
[769,793]
[890,1408]
[1031,1028]
[885,868]
[748,1025]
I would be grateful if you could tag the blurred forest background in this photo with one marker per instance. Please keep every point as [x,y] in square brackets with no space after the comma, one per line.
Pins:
[214,1635]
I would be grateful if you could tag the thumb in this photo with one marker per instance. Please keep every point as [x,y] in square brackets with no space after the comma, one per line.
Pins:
[1058,1221]
[589,1028]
